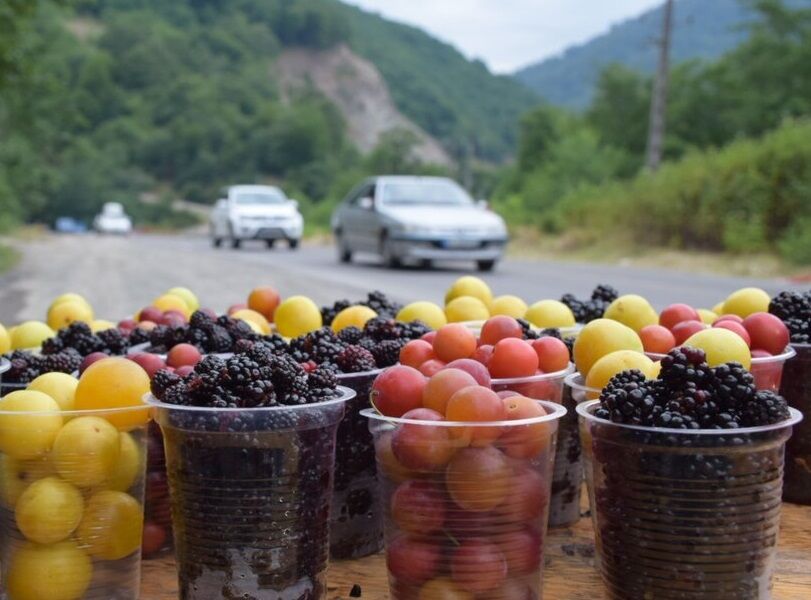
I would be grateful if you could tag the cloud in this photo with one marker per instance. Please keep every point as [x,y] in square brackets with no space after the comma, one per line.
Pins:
[508,34]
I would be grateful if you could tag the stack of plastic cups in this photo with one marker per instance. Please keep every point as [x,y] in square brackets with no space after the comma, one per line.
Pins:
[157,511]
[251,491]
[356,529]
[796,388]
[471,522]
[682,513]
[567,474]
[71,503]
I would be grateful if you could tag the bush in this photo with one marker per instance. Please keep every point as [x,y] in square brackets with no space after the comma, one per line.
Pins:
[750,196]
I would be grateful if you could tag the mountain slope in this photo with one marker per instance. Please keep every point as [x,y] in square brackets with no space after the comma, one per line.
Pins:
[702,29]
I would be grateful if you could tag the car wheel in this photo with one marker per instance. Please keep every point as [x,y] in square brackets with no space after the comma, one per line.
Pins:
[426,264]
[486,265]
[293,244]
[270,243]
[390,259]
[344,253]
[216,242]
[236,243]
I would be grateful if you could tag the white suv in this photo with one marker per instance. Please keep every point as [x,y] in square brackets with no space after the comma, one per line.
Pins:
[255,212]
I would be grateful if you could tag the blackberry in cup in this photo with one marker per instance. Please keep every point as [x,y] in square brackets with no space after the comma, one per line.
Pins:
[685,475]
[250,449]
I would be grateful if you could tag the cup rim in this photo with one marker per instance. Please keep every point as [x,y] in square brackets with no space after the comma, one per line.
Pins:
[577,382]
[803,345]
[89,412]
[346,395]
[585,409]
[534,378]
[374,372]
[554,410]
[5,364]
[788,352]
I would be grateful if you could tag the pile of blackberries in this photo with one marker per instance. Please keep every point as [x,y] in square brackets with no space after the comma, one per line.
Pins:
[794,308]
[586,311]
[27,366]
[79,337]
[211,335]
[257,377]
[355,350]
[689,394]
[376,300]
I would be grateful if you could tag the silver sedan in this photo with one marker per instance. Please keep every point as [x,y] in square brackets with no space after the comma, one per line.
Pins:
[417,219]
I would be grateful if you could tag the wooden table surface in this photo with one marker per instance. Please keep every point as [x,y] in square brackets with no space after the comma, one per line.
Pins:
[569,573]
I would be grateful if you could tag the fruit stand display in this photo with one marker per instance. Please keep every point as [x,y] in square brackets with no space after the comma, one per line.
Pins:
[285,432]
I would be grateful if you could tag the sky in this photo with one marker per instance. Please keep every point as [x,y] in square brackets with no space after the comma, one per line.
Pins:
[509,34]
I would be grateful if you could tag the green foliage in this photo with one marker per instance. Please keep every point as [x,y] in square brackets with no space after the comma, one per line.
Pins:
[750,196]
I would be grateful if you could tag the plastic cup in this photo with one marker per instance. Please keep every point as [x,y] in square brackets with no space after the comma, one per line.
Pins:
[250,493]
[157,509]
[796,388]
[567,474]
[71,503]
[356,528]
[464,521]
[684,513]
[767,370]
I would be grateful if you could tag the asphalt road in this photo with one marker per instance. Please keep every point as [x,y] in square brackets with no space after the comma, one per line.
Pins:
[120,275]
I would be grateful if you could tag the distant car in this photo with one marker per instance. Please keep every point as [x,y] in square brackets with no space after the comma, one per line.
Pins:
[422,219]
[69,225]
[112,219]
[256,212]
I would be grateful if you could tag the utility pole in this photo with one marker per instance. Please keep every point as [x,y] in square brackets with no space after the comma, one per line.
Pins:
[658,104]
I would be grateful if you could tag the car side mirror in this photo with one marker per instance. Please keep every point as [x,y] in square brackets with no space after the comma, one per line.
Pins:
[483,204]
[366,203]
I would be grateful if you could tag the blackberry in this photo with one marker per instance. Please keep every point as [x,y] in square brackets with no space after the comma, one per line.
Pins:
[197,337]
[414,330]
[791,305]
[593,309]
[387,352]
[177,394]
[628,398]
[325,346]
[243,346]
[219,340]
[800,330]
[350,335]
[239,330]
[275,342]
[683,366]
[604,292]
[53,345]
[114,342]
[733,386]
[575,305]
[201,320]
[139,336]
[213,366]
[355,359]
[551,332]
[328,313]
[526,328]
[66,361]
[381,304]
[381,328]
[25,367]
[322,377]
[162,381]
[367,343]
[764,408]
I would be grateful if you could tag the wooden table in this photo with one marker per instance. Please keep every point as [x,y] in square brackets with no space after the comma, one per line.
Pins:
[569,573]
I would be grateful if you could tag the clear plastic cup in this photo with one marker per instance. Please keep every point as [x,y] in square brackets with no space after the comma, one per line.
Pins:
[71,503]
[157,508]
[567,474]
[767,370]
[250,492]
[465,520]
[684,513]
[796,388]
[357,522]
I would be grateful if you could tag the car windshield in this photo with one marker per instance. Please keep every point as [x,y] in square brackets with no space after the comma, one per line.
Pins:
[268,197]
[425,192]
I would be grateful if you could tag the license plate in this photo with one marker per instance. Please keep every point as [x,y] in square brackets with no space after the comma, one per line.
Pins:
[459,244]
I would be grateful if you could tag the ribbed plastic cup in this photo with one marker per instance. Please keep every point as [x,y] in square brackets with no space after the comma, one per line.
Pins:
[470,520]
[796,388]
[549,386]
[356,528]
[251,491]
[767,370]
[71,503]
[684,514]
